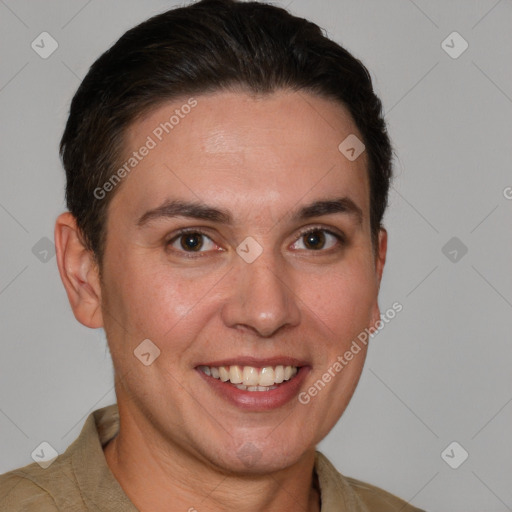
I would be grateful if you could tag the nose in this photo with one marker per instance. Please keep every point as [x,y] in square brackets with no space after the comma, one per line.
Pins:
[262,299]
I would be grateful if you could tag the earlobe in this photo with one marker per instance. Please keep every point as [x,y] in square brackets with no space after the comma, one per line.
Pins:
[79,272]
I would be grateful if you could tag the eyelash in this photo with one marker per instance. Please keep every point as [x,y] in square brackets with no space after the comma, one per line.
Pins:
[342,241]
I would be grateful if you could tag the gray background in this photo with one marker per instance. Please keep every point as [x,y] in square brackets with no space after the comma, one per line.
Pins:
[439,372]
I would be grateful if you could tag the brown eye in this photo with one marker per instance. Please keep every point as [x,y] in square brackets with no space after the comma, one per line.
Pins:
[191,242]
[314,240]
[319,239]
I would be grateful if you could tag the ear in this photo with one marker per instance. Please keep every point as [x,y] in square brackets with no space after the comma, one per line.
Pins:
[380,257]
[380,261]
[79,272]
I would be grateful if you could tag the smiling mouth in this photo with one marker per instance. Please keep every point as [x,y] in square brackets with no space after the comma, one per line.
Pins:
[250,378]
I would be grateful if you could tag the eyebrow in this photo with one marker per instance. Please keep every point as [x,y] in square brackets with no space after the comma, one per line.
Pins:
[202,211]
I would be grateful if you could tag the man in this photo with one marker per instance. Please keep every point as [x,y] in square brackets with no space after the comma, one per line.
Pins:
[227,174]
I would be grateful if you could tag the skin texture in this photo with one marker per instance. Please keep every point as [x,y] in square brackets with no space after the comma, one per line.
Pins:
[260,158]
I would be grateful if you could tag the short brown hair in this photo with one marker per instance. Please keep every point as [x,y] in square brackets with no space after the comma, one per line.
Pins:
[211,45]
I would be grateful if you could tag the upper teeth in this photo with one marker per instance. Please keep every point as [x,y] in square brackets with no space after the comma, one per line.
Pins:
[251,376]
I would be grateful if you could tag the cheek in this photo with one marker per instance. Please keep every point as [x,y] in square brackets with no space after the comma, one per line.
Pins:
[157,301]
[343,301]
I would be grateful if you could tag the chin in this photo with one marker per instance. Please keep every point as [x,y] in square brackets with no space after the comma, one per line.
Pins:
[259,458]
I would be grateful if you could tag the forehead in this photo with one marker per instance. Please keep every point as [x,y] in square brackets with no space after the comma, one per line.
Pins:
[271,149]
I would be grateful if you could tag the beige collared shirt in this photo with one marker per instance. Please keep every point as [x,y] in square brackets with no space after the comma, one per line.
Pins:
[80,480]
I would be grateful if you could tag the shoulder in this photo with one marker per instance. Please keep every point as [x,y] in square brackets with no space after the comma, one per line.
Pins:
[378,499]
[353,494]
[41,488]
[74,481]
[20,492]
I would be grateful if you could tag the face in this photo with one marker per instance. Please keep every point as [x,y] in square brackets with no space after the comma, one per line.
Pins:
[240,245]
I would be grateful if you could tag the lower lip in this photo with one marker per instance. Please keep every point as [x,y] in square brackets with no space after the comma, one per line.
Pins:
[258,400]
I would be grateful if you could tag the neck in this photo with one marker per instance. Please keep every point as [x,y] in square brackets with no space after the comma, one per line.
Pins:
[155,475]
